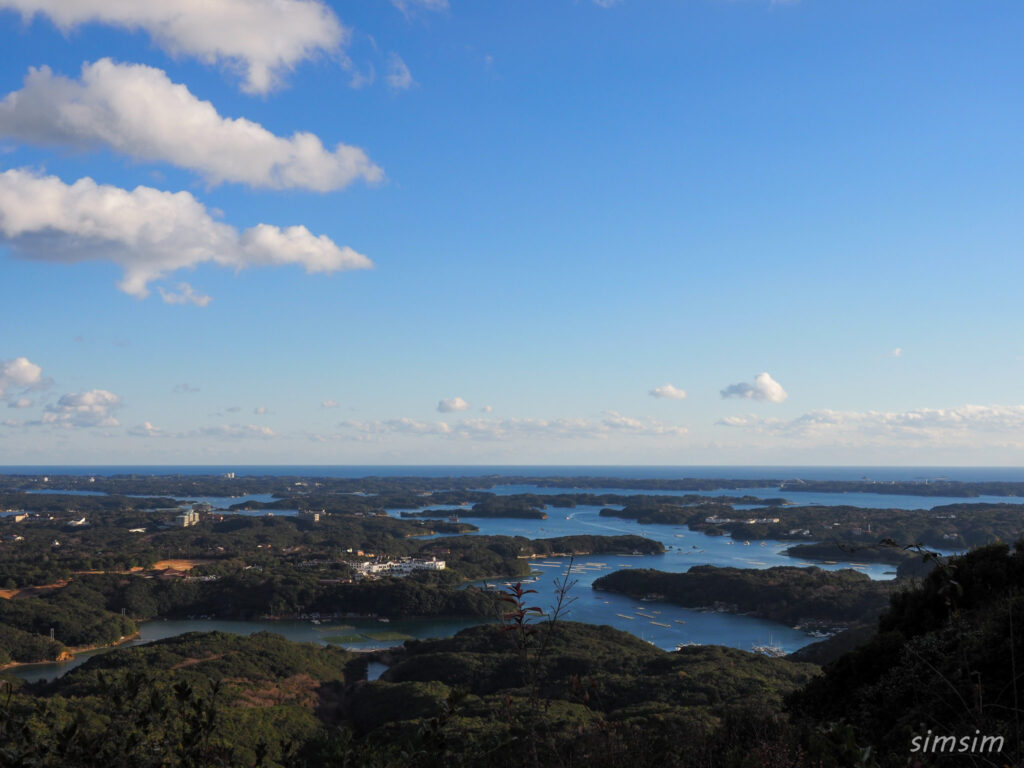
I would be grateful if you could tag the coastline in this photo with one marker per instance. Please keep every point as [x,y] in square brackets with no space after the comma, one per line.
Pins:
[73,652]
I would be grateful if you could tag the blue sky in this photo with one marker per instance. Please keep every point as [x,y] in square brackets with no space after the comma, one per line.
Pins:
[492,232]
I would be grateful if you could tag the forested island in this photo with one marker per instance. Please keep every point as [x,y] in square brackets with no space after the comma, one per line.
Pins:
[807,597]
[839,532]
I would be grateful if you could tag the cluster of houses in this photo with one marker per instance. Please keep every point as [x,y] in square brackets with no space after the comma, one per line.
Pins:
[743,521]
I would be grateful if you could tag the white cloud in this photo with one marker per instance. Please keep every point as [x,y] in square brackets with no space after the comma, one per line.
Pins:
[94,408]
[763,388]
[408,6]
[452,404]
[669,392]
[234,431]
[401,426]
[21,402]
[145,429]
[613,424]
[185,389]
[136,110]
[147,232]
[487,409]
[897,352]
[262,39]
[399,77]
[329,404]
[617,422]
[18,376]
[260,410]
[963,425]
[607,3]
[184,294]
[221,431]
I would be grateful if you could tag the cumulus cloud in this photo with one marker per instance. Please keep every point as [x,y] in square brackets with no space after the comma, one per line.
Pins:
[146,429]
[399,77]
[329,404]
[183,294]
[934,426]
[260,410]
[764,388]
[21,402]
[452,404]
[94,408]
[408,6]
[147,232]
[487,409]
[617,422]
[234,431]
[400,426]
[137,111]
[19,376]
[612,424]
[897,352]
[262,39]
[220,431]
[185,388]
[669,392]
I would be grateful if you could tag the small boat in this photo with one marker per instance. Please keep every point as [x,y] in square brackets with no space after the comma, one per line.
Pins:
[624,616]
[659,624]
[678,621]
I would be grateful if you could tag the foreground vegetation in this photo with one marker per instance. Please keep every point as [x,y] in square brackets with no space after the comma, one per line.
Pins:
[537,692]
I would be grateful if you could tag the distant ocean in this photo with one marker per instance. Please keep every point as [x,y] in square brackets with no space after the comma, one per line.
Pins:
[963,474]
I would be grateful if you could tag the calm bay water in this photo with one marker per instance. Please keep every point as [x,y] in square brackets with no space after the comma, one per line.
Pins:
[660,623]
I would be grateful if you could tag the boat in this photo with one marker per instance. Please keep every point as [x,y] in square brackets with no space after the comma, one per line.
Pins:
[624,616]
[384,620]
[678,621]
[689,644]
[770,649]
[660,624]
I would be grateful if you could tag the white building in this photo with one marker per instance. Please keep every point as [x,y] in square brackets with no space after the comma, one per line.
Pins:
[188,518]
[398,568]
